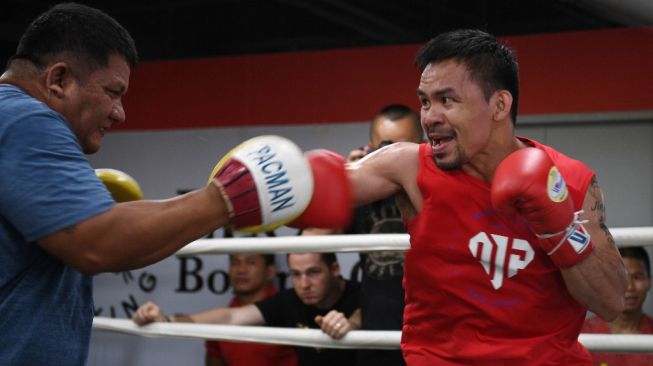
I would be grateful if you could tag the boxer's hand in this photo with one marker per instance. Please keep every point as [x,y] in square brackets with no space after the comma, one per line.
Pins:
[527,183]
[334,323]
[265,182]
[148,313]
[122,187]
[331,206]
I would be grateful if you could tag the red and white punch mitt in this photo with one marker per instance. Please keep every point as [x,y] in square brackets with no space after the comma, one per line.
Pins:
[266,182]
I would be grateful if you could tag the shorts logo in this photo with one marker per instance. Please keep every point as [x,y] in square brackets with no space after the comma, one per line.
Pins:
[492,251]
[556,186]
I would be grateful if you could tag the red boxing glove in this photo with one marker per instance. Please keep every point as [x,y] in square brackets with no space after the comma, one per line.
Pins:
[527,182]
[331,206]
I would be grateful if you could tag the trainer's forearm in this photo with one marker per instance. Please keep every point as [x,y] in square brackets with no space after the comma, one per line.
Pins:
[157,229]
[139,233]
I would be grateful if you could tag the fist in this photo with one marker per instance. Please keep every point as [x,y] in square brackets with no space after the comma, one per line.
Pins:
[334,323]
[527,183]
[148,313]
[331,205]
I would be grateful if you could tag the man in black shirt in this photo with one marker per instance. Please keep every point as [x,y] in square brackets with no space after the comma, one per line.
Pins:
[382,294]
[320,298]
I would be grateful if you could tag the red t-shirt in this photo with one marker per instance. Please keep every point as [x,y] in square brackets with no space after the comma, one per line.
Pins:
[597,325]
[248,354]
[479,289]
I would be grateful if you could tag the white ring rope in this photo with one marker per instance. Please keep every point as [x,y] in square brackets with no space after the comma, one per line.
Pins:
[298,244]
[624,237]
[356,339]
[360,339]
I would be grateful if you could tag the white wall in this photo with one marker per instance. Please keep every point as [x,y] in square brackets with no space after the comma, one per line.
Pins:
[163,162]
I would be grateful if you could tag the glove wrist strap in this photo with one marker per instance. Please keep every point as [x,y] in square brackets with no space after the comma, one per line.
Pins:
[572,247]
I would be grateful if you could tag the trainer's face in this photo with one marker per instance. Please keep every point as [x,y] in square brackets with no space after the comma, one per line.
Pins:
[95,103]
[249,274]
[312,279]
[401,130]
[455,115]
[638,285]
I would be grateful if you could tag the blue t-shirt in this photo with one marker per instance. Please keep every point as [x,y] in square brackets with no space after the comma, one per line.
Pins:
[46,185]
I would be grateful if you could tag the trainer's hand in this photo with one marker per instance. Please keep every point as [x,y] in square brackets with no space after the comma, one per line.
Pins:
[122,187]
[148,313]
[527,182]
[359,153]
[265,182]
[331,205]
[334,323]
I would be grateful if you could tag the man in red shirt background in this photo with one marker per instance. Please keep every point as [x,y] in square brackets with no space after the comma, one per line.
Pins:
[251,276]
[632,319]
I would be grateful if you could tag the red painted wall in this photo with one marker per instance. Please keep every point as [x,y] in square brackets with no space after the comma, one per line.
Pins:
[593,71]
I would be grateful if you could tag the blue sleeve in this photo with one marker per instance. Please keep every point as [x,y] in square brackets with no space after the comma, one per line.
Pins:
[46,184]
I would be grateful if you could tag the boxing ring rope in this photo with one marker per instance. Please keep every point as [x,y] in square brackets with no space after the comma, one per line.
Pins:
[624,237]
[358,339]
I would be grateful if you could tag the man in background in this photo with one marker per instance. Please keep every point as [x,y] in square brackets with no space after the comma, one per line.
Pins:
[320,298]
[251,277]
[382,295]
[632,319]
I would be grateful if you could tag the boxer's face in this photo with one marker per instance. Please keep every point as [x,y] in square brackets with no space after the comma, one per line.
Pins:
[638,285]
[312,278]
[248,273]
[455,115]
[94,102]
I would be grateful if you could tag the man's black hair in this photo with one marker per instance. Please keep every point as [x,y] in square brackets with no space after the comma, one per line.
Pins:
[86,34]
[638,253]
[492,65]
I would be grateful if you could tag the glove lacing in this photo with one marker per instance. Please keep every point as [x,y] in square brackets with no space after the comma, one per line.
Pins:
[575,223]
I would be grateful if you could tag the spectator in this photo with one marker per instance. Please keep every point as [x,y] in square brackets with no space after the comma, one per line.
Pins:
[382,295]
[251,277]
[320,298]
[632,319]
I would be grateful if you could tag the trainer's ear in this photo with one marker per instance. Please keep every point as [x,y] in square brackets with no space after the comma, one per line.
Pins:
[57,79]
[502,103]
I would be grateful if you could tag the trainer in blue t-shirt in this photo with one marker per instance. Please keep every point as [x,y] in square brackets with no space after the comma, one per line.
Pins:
[46,185]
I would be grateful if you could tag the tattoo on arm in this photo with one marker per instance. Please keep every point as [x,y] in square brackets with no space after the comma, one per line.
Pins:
[598,207]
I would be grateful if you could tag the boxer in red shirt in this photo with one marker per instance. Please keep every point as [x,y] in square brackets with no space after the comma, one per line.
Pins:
[509,245]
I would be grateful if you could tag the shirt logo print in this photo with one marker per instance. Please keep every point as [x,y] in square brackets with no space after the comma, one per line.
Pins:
[491,251]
